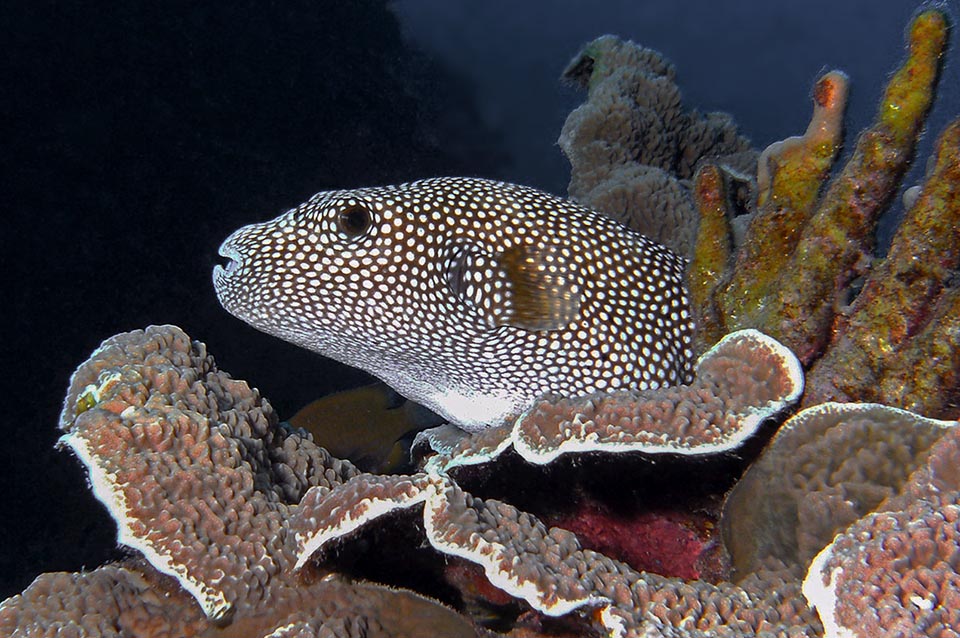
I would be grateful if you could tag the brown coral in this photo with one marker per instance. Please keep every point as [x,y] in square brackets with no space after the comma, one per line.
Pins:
[188,461]
[202,482]
[827,466]
[789,177]
[743,380]
[550,571]
[897,571]
[162,430]
[633,148]
[128,598]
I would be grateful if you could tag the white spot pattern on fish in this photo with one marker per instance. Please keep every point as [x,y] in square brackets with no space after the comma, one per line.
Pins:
[472,297]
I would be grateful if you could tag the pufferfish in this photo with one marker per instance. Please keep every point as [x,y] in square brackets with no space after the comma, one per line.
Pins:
[469,296]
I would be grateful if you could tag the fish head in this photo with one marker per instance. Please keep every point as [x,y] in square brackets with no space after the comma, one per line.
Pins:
[338,274]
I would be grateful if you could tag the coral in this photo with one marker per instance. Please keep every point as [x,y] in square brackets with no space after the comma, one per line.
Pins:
[869,510]
[743,380]
[365,498]
[800,164]
[633,148]
[205,486]
[789,177]
[201,482]
[128,598]
[897,571]
[491,534]
[133,599]
[187,461]
[802,251]
[548,568]
[902,332]
[826,467]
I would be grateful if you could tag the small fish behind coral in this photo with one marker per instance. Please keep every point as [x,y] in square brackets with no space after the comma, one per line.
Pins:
[372,426]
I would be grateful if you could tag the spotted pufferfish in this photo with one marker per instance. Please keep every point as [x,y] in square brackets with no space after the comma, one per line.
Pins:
[469,296]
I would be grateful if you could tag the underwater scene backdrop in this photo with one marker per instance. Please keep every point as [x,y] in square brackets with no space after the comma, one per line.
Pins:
[139,136]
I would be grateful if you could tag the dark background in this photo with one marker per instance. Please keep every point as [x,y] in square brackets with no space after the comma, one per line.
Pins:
[137,135]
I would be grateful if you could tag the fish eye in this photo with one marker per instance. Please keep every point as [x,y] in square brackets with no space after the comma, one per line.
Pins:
[354,220]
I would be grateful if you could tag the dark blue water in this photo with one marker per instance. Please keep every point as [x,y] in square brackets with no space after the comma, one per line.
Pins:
[137,135]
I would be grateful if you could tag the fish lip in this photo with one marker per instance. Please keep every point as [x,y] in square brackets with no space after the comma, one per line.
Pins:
[234,260]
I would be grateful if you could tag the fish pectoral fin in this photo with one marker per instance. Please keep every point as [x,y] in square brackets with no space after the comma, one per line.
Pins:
[532,287]
[545,291]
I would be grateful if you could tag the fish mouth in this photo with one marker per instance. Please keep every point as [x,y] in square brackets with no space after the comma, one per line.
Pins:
[234,261]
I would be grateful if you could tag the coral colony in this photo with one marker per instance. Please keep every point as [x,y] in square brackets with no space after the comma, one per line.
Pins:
[784,484]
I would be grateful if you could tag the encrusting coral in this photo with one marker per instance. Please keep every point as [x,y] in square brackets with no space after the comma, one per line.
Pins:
[547,567]
[746,379]
[201,482]
[864,499]
[896,571]
[847,525]
[206,486]
[827,467]
[742,381]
